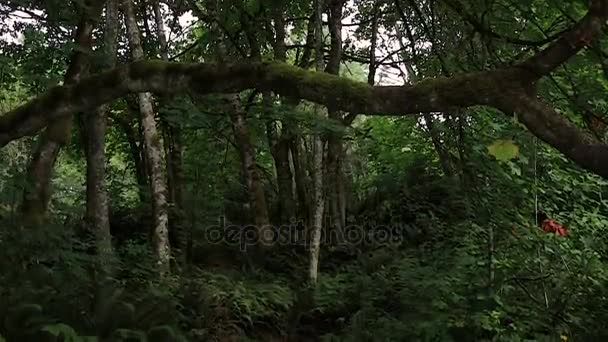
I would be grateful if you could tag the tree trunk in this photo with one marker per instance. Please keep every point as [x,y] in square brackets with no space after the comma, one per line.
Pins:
[37,192]
[174,148]
[176,182]
[318,151]
[257,199]
[255,190]
[285,180]
[334,173]
[132,136]
[97,212]
[335,146]
[153,151]
[280,142]
[301,180]
[319,205]
[371,76]
[279,148]
[444,157]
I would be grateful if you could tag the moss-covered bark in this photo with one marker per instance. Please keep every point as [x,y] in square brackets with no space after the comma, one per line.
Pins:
[330,90]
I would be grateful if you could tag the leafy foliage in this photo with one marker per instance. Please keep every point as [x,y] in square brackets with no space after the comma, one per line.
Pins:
[457,192]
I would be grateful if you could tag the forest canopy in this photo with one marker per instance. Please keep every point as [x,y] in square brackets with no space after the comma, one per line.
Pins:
[303,170]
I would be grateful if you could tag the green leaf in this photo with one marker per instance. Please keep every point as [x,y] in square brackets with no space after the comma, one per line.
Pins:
[62,330]
[503,149]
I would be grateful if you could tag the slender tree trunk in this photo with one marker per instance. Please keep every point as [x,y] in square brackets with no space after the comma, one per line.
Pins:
[442,153]
[334,170]
[412,77]
[373,67]
[280,142]
[301,179]
[37,192]
[145,170]
[344,188]
[97,212]
[335,148]
[279,148]
[257,198]
[467,177]
[318,151]
[371,76]
[153,150]
[285,180]
[174,147]
[132,136]
[255,190]
[305,59]
[160,30]
[319,204]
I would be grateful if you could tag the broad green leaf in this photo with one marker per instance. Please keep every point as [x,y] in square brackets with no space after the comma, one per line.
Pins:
[504,149]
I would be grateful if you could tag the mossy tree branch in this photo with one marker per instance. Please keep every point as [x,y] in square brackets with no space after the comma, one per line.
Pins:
[500,88]
[510,89]
[171,78]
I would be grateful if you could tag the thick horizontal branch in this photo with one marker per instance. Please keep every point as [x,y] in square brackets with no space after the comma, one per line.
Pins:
[503,89]
[508,89]
[548,125]
[167,78]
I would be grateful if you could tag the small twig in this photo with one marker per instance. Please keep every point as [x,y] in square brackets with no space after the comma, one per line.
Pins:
[528,292]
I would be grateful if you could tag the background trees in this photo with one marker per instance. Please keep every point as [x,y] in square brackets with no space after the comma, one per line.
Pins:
[426,193]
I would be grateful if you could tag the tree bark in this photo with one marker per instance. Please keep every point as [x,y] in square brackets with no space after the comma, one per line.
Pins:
[174,148]
[371,76]
[280,141]
[318,209]
[279,148]
[37,192]
[257,198]
[97,211]
[318,152]
[335,148]
[153,150]
[301,180]
[255,190]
